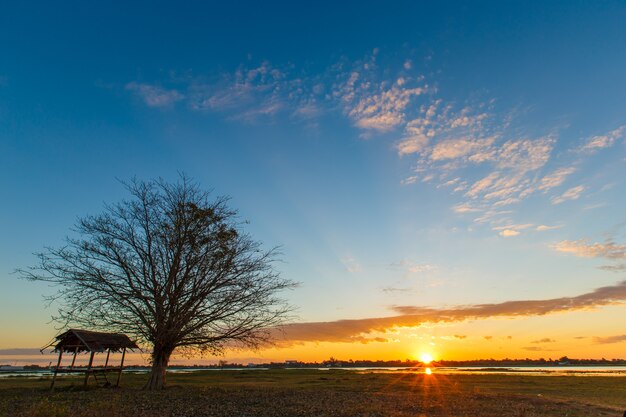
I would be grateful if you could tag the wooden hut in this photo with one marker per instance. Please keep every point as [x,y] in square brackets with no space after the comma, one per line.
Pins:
[77,341]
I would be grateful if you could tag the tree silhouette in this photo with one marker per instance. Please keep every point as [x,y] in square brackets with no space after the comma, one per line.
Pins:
[170,266]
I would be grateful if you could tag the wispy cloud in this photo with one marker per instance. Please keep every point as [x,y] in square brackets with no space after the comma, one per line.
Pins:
[511,230]
[543,227]
[584,248]
[573,193]
[411,267]
[473,147]
[609,339]
[397,289]
[555,178]
[607,140]
[614,268]
[410,316]
[155,96]
[544,340]
[385,110]
[352,265]
[536,349]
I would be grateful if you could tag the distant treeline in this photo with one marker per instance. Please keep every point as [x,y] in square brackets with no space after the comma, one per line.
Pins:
[332,362]
[338,363]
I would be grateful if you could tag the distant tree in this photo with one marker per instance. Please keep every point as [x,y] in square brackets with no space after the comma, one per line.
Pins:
[170,266]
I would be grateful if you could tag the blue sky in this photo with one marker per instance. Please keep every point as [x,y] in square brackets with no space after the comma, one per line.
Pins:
[414,154]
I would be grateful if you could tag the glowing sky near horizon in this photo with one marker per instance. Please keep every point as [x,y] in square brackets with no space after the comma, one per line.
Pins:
[445,179]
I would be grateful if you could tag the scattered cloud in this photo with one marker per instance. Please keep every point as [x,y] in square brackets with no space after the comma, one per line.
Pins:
[571,194]
[609,339]
[544,340]
[536,349]
[154,96]
[543,227]
[511,230]
[397,289]
[409,180]
[607,140]
[385,110]
[351,264]
[480,152]
[412,267]
[614,268]
[583,248]
[555,178]
[410,316]
[465,208]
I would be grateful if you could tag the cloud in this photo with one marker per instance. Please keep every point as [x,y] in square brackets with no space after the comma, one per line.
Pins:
[351,264]
[614,268]
[412,144]
[555,178]
[412,267]
[536,349]
[465,208]
[397,290]
[350,330]
[543,227]
[383,111]
[571,194]
[525,155]
[154,96]
[604,141]
[457,148]
[583,248]
[544,340]
[409,180]
[498,162]
[609,339]
[460,336]
[512,229]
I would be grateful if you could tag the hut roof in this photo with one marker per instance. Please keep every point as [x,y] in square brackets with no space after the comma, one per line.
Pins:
[88,341]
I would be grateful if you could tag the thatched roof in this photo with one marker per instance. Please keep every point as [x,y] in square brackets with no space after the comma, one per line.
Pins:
[88,341]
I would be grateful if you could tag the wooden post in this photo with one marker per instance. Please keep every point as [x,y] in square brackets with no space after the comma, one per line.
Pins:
[119,374]
[56,370]
[106,363]
[88,368]
[74,358]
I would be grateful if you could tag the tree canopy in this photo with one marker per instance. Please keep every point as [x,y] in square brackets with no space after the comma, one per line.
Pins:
[171,266]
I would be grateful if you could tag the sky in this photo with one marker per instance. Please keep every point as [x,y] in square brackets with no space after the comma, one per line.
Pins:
[442,177]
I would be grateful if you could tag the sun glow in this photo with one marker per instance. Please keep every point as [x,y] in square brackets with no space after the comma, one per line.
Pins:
[426,358]
[428,371]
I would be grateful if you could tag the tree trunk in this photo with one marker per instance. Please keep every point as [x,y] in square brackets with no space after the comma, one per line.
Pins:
[160,359]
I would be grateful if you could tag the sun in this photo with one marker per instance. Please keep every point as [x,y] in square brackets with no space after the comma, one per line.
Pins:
[426,358]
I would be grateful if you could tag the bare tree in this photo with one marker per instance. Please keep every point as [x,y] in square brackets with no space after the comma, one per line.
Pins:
[170,266]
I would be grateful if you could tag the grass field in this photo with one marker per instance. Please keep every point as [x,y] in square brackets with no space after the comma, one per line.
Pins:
[321,393]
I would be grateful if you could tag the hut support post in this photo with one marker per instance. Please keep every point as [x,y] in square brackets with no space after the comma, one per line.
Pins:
[119,374]
[106,363]
[56,370]
[88,368]
[74,358]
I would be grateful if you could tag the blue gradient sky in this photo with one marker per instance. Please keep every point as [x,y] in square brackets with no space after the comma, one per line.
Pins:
[405,154]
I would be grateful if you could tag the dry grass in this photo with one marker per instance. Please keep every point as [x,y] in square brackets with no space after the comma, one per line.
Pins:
[322,393]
